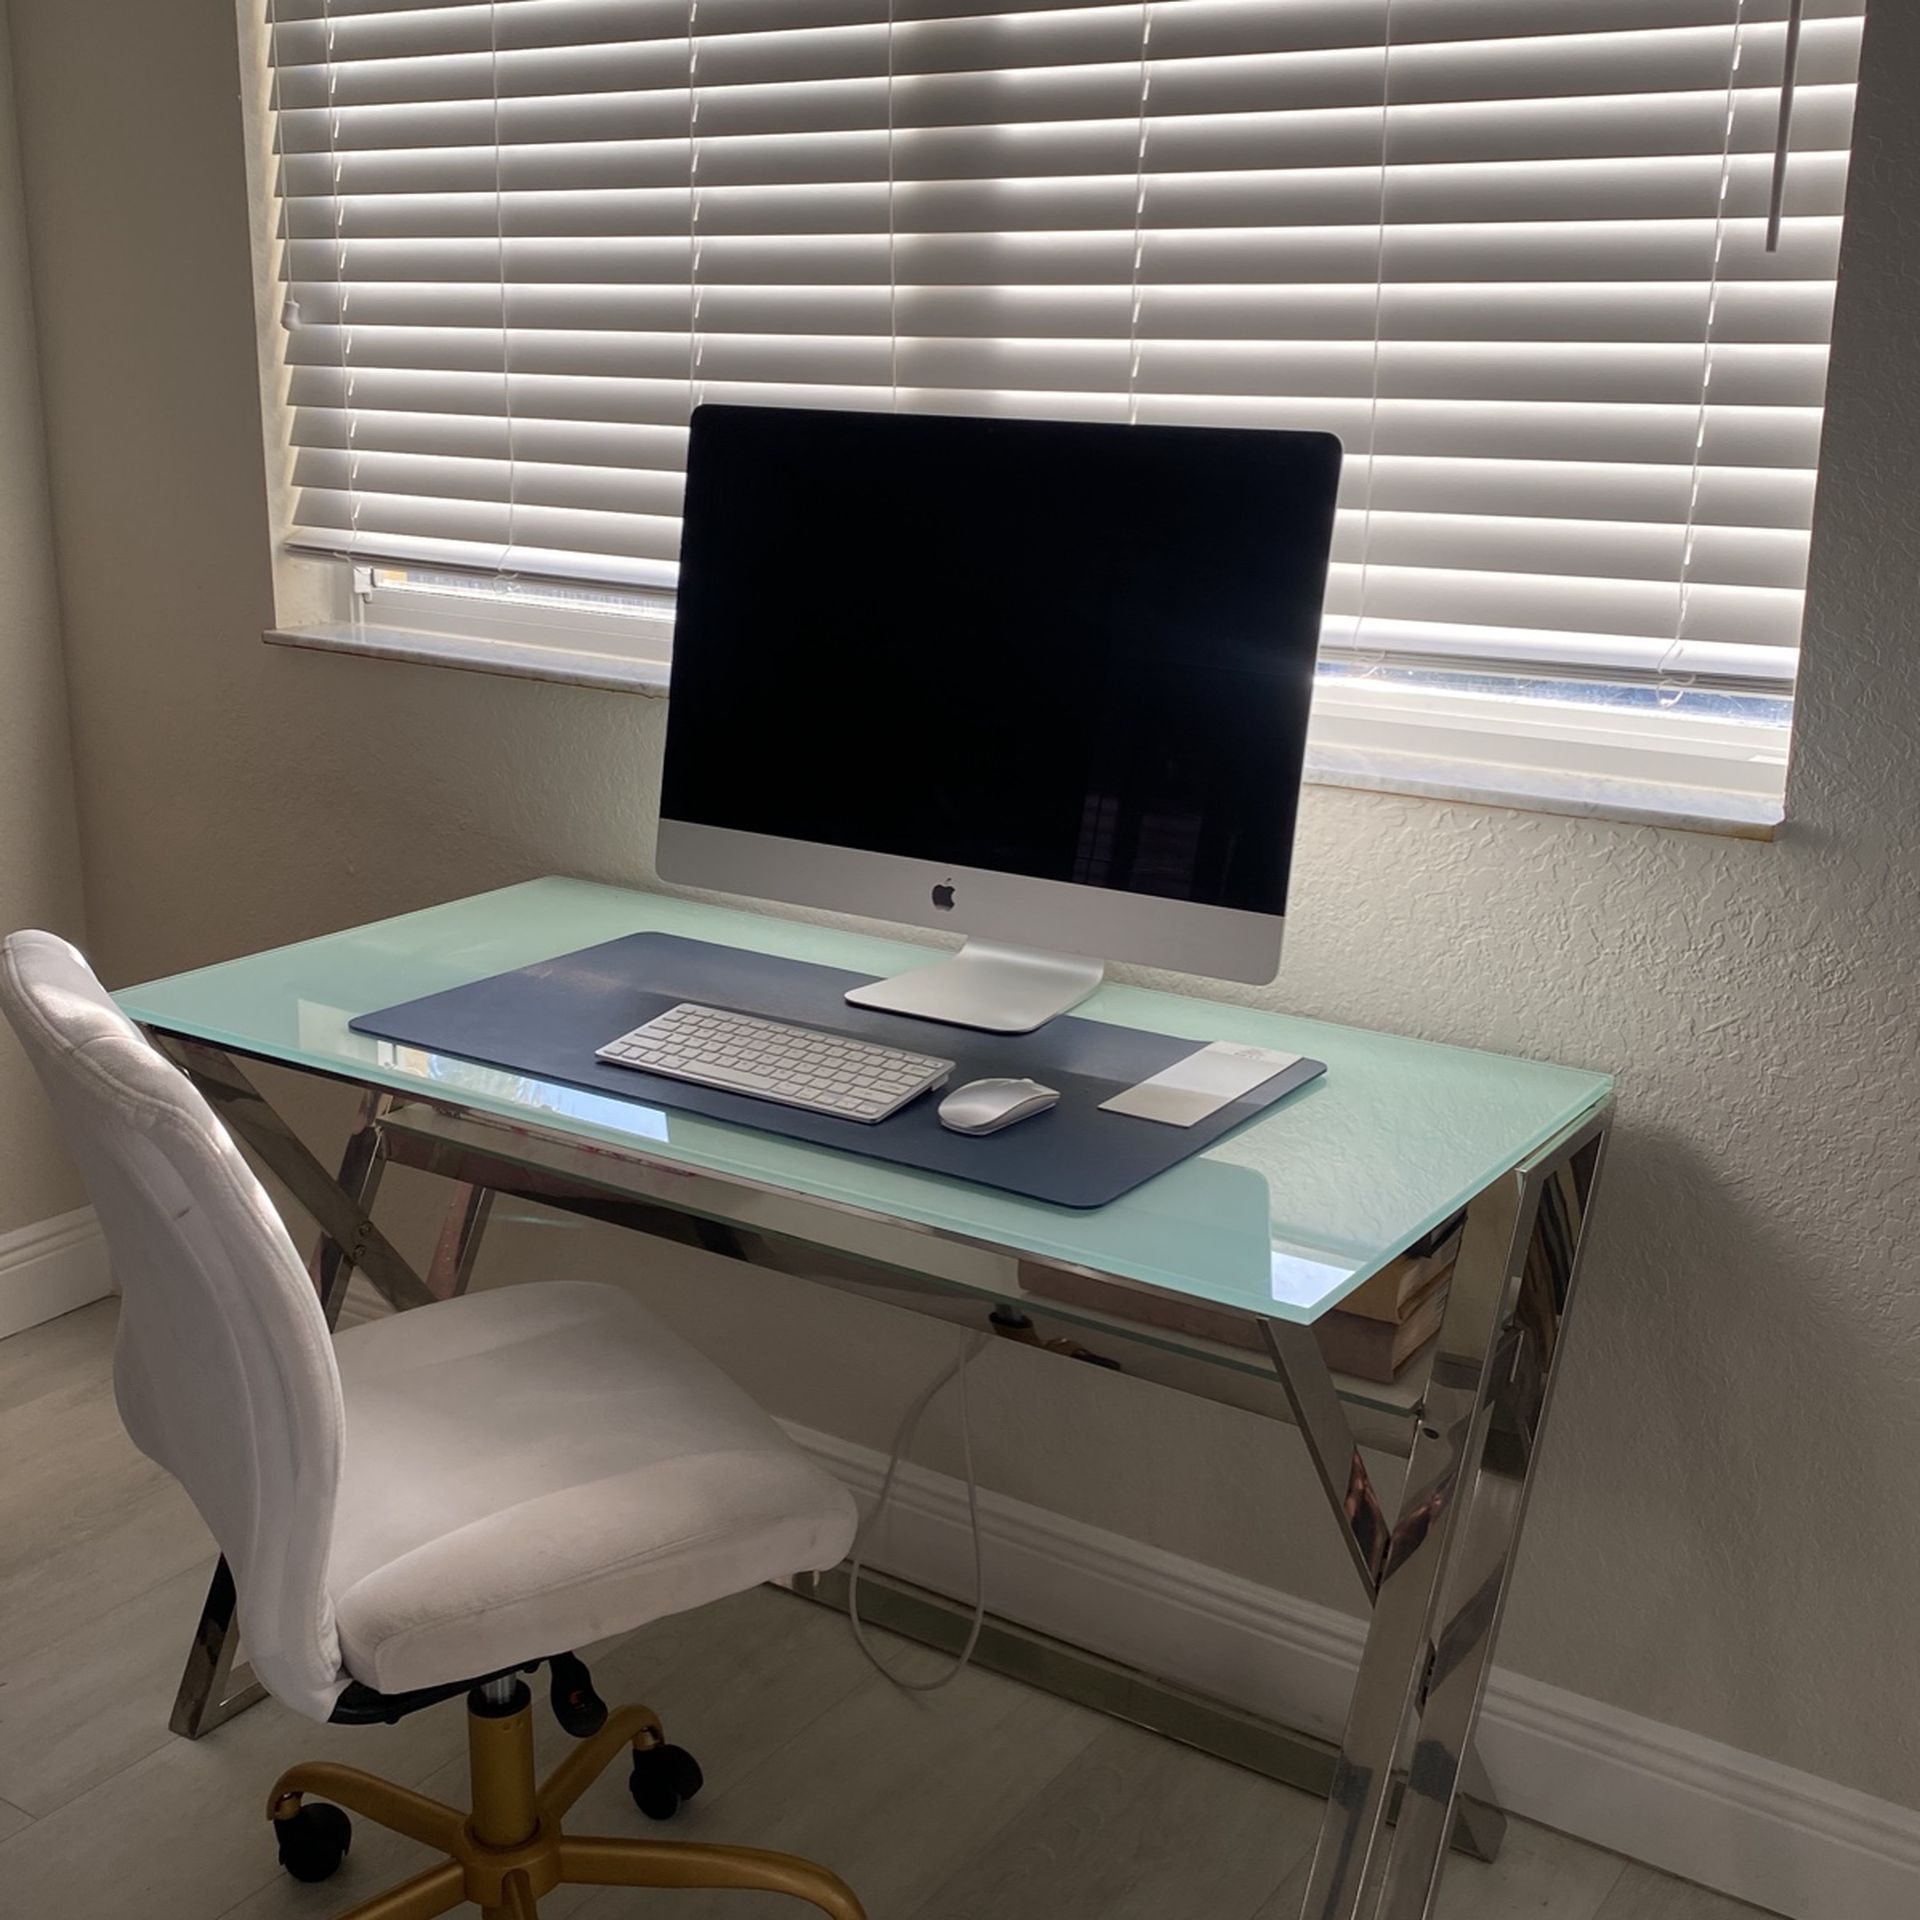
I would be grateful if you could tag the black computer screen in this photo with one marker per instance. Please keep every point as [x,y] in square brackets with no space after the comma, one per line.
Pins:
[1068,651]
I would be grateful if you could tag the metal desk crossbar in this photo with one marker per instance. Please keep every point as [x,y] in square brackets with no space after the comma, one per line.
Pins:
[1340,1185]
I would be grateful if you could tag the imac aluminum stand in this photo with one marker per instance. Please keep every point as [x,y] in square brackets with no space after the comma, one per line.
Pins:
[993,989]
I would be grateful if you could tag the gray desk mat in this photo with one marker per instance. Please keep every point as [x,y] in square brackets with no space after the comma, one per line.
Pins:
[547,1020]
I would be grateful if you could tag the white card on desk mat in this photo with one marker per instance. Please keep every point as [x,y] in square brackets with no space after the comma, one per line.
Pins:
[1185,1093]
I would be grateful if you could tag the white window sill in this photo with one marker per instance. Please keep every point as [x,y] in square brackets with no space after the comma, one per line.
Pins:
[1341,754]
[1539,790]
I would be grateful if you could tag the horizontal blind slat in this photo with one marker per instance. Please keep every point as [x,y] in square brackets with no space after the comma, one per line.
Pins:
[768,118]
[1568,251]
[1520,191]
[520,19]
[1657,373]
[1001,71]
[1756,313]
[1729,436]
[311,32]
[1663,127]
[647,92]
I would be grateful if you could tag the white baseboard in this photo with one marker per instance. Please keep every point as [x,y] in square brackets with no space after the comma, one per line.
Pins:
[1689,1806]
[50,1268]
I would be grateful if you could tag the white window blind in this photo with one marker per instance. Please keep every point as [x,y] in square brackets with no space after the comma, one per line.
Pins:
[1515,253]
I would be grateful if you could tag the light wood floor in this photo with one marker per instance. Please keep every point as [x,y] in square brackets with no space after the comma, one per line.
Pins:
[983,1802]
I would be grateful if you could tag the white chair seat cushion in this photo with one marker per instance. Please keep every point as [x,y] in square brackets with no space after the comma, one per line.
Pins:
[535,1468]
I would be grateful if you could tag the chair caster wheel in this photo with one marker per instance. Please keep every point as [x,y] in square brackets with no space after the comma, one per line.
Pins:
[662,1778]
[314,1841]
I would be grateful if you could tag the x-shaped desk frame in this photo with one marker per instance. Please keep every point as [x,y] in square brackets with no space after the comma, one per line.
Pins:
[1434,1564]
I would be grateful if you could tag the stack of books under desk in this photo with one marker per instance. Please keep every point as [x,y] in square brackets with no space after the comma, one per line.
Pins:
[1379,1327]
[1372,1335]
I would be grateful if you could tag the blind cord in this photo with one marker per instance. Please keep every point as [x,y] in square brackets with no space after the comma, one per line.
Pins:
[282,223]
[696,352]
[348,387]
[1139,217]
[893,235]
[971,1349]
[506,573]
[1673,682]
[1363,593]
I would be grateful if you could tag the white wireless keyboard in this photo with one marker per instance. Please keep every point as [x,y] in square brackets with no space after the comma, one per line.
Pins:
[796,1066]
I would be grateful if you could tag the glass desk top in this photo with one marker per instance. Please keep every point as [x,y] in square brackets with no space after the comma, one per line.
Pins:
[1284,1217]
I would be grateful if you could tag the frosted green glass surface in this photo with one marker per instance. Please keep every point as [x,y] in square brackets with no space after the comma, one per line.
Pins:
[1283,1217]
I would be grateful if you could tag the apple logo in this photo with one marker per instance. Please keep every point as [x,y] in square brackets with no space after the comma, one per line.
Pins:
[943,896]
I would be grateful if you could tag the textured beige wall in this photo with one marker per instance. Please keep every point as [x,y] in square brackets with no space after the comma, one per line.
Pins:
[1726,1536]
[39,846]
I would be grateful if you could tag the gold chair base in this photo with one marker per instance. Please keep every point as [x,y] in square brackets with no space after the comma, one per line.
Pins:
[511,1849]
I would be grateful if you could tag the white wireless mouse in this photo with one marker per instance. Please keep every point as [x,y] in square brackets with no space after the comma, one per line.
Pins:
[985,1106]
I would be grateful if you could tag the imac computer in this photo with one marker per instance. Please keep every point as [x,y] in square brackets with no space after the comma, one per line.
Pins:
[1042,683]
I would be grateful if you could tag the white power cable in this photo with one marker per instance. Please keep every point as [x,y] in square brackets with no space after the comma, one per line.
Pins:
[903,1438]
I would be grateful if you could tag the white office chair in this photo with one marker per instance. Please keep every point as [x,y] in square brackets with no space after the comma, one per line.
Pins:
[432,1504]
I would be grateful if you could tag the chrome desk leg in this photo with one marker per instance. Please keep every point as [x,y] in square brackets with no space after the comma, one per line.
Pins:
[362,1162]
[1477,1573]
[1324,1426]
[459,1245]
[341,1215]
[1479,1825]
[1451,1549]
[211,1693]
[213,1689]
